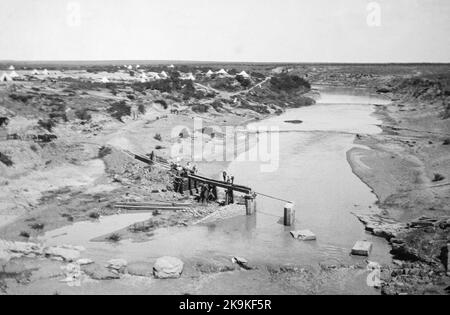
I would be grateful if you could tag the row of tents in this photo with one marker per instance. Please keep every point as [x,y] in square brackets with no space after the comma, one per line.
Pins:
[7,77]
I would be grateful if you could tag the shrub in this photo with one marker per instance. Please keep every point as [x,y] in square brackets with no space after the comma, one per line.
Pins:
[114,237]
[285,82]
[200,108]
[104,151]
[438,177]
[446,141]
[159,147]
[24,234]
[142,109]
[47,124]
[163,103]
[94,215]
[37,226]
[4,121]
[6,160]
[119,109]
[83,114]
[157,137]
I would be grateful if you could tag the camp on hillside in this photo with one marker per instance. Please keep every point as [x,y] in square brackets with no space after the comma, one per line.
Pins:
[222,72]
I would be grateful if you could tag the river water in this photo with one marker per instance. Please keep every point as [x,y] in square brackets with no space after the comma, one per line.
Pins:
[313,173]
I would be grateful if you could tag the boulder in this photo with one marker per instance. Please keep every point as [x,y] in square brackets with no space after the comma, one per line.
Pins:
[168,267]
[61,252]
[362,248]
[98,272]
[117,264]
[141,269]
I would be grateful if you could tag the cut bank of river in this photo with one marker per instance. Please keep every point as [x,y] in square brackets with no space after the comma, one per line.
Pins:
[312,171]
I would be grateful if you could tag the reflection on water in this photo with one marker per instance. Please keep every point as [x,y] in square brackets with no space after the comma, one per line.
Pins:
[313,172]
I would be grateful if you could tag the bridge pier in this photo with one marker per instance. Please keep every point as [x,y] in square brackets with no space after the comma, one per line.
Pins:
[250,204]
[289,214]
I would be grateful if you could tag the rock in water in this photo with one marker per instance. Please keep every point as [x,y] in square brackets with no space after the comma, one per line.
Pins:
[362,248]
[141,269]
[168,267]
[98,272]
[64,253]
[117,264]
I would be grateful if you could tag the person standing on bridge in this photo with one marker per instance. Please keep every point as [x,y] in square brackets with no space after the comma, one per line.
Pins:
[224,175]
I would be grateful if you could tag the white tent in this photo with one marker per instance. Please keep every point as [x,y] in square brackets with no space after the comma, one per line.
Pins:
[104,80]
[130,67]
[45,72]
[163,75]
[244,74]
[188,76]
[171,66]
[138,66]
[14,74]
[5,77]
[11,68]
[154,76]
[35,72]
[222,72]
[209,73]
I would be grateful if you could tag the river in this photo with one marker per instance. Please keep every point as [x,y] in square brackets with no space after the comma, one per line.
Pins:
[313,173]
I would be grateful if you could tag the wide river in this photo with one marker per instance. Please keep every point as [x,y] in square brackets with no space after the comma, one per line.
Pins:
[312,171]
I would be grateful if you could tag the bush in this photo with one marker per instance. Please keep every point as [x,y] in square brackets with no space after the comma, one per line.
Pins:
[142,109]
[4,121]
[119,109]
[83,114]
[158,147]
[114,237]
[94,215]
[24,234]
[47,124]
[446,141]
[285,82]
[163,103]
[200,108]
[438,178]
[37,226]
[6,160]
[157,137]
[104,151]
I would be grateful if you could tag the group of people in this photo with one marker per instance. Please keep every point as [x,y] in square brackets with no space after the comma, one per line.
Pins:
[227,178]
[207,193]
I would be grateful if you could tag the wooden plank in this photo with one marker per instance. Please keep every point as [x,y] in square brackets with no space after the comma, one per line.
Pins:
[221,184]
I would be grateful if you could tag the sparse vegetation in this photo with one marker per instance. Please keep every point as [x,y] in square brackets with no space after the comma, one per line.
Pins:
[37,226]
[24,234]
[438,177]
[6,160]
[158,137]
[119,110]
[286,82]
[83,114]
[159,147]
[104,151]
[114,237]
[47,124]
[24,98]
[94,215]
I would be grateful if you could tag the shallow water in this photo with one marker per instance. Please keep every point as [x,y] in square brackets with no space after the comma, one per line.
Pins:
[313,172]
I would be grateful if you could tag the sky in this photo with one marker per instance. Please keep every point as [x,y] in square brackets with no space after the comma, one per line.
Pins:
[226,30]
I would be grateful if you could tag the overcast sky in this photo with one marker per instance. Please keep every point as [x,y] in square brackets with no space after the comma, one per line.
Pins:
[226,30]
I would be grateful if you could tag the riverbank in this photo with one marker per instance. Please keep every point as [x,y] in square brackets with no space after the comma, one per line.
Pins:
[408,167]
